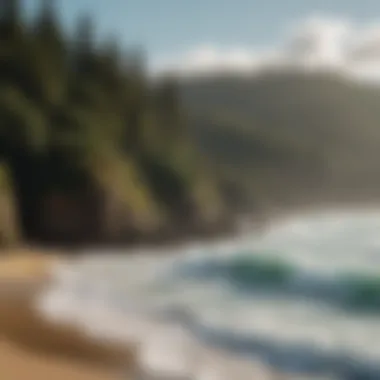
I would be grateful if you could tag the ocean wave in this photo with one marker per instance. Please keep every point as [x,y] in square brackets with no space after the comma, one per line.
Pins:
[303,299]
[177,331]
[250,273]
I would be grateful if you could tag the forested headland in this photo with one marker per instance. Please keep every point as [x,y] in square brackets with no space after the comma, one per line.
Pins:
[91,150]
[96,150]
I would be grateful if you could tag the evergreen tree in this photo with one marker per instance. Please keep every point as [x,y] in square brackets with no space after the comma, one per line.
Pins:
[76,116]
[10,19]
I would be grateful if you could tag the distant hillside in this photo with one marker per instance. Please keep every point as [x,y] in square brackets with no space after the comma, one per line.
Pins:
[288,136]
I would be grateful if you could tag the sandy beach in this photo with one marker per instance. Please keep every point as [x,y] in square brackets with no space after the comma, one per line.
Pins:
[32,348]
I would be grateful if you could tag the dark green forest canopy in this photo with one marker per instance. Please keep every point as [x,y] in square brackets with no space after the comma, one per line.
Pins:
[79,120]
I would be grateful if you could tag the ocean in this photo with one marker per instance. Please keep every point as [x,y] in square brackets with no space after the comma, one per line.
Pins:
[301,299]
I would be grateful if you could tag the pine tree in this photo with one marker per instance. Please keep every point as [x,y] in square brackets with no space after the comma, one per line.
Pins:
[10,19]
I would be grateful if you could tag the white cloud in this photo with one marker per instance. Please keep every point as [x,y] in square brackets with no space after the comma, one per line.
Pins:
[314,43]
[366,44]
[319,40]
[208,58]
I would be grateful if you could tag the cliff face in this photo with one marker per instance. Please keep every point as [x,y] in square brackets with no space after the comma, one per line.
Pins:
[67,218]
[10,233]
[125,205]
[113,202]
[107,206]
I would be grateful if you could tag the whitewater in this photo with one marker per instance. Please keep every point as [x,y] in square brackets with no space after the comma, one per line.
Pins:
[301,300]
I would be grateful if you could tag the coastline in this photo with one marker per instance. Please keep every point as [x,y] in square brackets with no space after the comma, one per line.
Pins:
[165,350]
[281,214]
[38,349]
[22,273]
[256,222]
[34,348]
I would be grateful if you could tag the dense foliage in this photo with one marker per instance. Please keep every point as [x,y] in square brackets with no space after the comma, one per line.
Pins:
[94,150]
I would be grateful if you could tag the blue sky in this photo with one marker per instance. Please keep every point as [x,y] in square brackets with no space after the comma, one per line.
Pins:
[166,27]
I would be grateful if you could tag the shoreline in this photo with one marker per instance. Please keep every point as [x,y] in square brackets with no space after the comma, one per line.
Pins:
[280,215]
[33,347]
[255,222]
[17,281]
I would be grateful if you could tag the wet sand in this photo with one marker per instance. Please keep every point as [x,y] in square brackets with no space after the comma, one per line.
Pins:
[33,348]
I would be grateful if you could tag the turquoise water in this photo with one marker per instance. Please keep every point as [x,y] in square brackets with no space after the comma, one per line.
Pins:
[303,298]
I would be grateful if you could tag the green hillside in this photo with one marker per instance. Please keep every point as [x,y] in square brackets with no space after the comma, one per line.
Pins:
[288,134]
